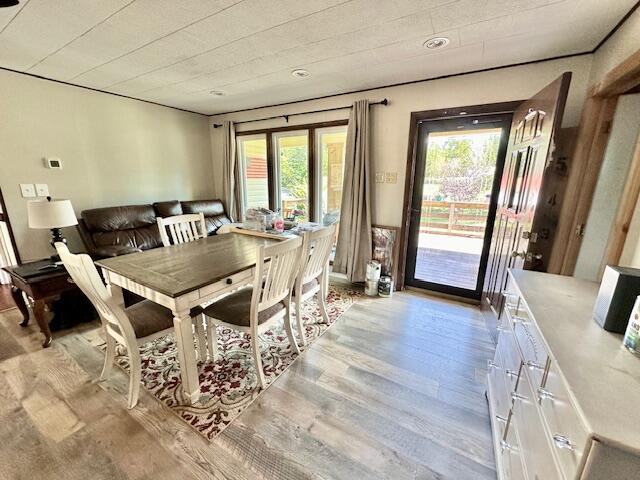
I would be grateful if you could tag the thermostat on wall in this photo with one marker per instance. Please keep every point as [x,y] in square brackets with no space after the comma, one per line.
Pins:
[53,163]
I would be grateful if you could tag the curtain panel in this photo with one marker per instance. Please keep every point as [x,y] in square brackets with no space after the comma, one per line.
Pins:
[232,179]
[353,249]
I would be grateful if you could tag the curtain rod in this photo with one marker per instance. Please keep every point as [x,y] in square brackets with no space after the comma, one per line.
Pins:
[384,101]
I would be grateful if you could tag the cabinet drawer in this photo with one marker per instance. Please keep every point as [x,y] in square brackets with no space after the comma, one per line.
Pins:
[510,358]
[231,282]
[539,462]
[566,433]
[501,397]
[509,453]
[532,349]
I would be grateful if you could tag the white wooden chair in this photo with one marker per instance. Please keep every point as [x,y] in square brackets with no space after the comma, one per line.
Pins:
[131,327]
[252,310]
[314,270]
[182,228]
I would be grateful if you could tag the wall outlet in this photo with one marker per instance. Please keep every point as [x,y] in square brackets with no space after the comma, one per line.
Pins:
[379,177]
[42,189]
[391,177]
[27,190]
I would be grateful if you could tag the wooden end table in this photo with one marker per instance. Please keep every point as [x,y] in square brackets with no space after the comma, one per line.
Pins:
[43,286]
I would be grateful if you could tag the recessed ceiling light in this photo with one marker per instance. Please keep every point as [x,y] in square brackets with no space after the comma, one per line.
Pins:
[8,3]
[463,113]
[300,73]
[436,42]
[216,93]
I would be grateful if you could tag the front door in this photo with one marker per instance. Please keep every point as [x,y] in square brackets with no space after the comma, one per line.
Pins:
[524,225]
[458,168]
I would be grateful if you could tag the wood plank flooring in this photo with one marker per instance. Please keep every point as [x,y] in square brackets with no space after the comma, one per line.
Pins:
[394,390]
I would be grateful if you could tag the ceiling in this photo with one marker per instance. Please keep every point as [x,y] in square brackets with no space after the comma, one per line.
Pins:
[176,52]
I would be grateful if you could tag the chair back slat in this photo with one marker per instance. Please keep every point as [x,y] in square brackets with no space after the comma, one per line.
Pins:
[85,275]
[277,266]
[316,250]
[182,228]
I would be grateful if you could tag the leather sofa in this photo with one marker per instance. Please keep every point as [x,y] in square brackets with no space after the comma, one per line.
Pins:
[113,231]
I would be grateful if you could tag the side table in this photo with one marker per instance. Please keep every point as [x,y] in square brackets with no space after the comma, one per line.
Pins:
[43,286]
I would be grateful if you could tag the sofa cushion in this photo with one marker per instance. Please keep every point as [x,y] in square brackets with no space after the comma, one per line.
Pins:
[210,208]
[142,238]
[213,210]
[119,218]
[168,209]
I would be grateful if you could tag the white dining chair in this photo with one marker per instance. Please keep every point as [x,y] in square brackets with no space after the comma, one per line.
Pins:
[254,309]
[182,228]
[131,327]
[312,276]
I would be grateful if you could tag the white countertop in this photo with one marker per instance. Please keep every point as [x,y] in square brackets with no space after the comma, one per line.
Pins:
[602,376]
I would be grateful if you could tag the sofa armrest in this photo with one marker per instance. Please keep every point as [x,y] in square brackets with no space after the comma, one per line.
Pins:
[113,251]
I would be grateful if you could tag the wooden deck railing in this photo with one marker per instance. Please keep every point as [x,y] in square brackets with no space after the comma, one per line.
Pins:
[454,218]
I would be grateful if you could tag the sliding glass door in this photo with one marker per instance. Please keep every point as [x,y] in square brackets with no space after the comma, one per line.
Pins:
[297,171]
[252,154]
[292,173]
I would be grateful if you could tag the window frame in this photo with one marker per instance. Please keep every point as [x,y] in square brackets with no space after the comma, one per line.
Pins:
[314,172]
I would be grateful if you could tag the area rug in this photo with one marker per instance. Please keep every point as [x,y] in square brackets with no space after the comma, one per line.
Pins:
[229,385]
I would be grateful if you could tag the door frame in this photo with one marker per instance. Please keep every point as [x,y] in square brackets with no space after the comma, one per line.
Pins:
[504,119]
[412,152]
[4,217]
[591,144]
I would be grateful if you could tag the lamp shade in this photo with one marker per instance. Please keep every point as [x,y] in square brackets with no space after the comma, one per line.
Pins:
[51,214]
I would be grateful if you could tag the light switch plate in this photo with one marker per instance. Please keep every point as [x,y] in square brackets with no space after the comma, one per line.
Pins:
[391,177]
[42,189]
[379,177]
[27,190]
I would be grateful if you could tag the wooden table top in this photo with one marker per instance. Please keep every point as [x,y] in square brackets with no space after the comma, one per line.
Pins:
[180,269]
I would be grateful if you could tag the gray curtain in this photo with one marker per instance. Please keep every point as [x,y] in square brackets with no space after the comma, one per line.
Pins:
[232,181]
[353,250]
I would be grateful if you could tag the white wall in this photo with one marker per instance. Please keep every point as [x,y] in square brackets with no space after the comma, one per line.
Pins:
[613,175]
[115,151]
[390,129]
[621,45]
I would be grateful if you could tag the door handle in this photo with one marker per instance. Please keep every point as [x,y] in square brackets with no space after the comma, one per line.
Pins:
[527,256]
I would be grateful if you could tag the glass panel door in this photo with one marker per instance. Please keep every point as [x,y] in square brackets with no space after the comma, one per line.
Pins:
[292,168]
[252,153]
[330,151]
[454,202]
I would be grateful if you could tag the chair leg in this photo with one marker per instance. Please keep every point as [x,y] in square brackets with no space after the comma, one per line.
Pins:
[109,357]
[212,339]
[135,374]
[257,358]
[321,296]
[299,321]
[289,329]
[198,323]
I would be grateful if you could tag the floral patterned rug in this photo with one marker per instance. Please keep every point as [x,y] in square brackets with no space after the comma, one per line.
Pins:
[229,385]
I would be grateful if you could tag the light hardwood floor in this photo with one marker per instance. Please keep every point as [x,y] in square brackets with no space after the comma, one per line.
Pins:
[394,390]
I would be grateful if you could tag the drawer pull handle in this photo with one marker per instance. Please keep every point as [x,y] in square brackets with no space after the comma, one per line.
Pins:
[543,393]
[501,419]
[563,442]
[510,373]
[506,446]
[522,321]
[534,366]
[517,396]
[491,364]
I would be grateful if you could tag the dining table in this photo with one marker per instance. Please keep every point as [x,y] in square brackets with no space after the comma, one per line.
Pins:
[183,276]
